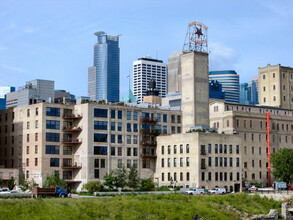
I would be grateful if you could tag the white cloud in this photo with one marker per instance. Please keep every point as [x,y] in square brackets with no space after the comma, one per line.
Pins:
[222,57]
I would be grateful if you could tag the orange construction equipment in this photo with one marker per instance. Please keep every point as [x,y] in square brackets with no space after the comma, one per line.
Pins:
[269,147]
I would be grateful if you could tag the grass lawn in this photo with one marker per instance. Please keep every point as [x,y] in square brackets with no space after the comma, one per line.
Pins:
[172,206]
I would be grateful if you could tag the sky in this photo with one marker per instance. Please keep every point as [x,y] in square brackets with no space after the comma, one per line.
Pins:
[54,39]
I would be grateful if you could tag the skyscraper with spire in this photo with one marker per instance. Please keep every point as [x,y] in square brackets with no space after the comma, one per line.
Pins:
[103,76]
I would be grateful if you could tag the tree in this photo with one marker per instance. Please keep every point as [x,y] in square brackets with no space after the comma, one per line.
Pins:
[133,179]
[110,180]
[11,183]
[121,177]
[94,186]
[54,179]
[1,182]
[282,162]
[147,185]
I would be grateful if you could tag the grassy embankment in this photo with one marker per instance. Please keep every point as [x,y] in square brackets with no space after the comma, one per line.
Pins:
[138,207]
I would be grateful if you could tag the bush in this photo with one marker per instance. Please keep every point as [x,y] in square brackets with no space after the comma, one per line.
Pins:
[55,180]
[1,182]
[164,188]
[73,191]
[147,185]
[93,186]
[11,183]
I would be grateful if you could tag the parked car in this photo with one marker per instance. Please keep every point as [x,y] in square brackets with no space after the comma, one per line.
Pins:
[218,191]
[4,191]
[252,189]
[194,191]
[290,187]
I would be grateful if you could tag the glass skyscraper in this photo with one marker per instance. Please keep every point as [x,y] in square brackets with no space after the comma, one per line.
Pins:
[103,77]
[230,83]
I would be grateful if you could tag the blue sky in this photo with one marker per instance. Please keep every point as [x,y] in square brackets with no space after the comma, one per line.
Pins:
[54,39]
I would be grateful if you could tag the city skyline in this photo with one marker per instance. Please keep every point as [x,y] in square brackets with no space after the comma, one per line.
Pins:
[46,40]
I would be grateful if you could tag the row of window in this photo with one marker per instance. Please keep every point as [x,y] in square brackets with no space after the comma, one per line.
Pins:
[218,176]
[181,151]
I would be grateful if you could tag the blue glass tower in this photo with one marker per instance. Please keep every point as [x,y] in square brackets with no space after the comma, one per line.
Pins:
[245,94]
[215,90]
[230,83]
[103,77]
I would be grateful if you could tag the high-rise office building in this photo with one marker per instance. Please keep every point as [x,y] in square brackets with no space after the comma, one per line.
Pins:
[145,69]
[215,90]
[34,91]
[245,94]
[230,83]
[103,76]
[254,89]
[3,91]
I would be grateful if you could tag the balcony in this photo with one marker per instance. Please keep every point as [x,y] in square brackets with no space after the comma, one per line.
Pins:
[148,143]
[71,116]
[148,155]
[148,120]
[71,141]
[203,166]
[72,129]
[71,165]
[203,152]
[154,132]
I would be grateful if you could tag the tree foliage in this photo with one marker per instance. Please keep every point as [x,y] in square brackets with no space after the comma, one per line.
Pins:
[133,179]
[54,179]
[1,182]
[147,184]
[94,186]
[109,180]
[121,177]
[282,162]
[11,183]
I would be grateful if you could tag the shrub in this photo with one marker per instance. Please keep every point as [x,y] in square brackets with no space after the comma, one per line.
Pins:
[1,182]
[93,186]
[147,185]
[164,188]
[55,180]
[11,183]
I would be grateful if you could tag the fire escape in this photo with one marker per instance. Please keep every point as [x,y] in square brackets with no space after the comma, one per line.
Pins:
[148,132]
[71,144]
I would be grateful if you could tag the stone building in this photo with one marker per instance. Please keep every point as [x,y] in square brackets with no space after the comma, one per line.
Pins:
[250,123]
[83,142]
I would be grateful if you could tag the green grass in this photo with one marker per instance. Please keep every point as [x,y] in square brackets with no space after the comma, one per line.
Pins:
[170,206]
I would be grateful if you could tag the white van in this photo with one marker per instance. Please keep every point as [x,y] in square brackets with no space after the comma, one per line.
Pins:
[194,191]
[218,191]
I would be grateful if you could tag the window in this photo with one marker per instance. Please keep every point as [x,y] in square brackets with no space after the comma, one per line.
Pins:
[128,139]
[209,148]
[100,150]
[163,177]
[53,112]
[52,149]
[175,162]
[264,76]
[119,151]
[27,162]
[216,148]
[181,162]
[221,149]
[169,162]
[237,161]
[135,128]
[101,113]
[112,151]
[159,117]
[135,116]
[210,162]
[162,150]
[112,126]
[112,113]
[119,126]
[128,127]
[181,176]
[100,137]
[119,139]
[165,129]
[230,149]
[36,136]
[27,138]
[187,161]
[28,113]
[237,149]
[135,163]
[264,88]
[101,125]
[27,125]
[97,173]
[27,150]
[128,115]
[175,149]
[53,137]
[54,162]
[36,149]
[37,111]
[225,161]
[119,114]
[128,164]
[113,138]
[187,148]
[52,124]
[36,161]
[37,124]
[165,118]
[216,176]
[134,139]
[231,162]
[67,150]
[216,161]
[187,176]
